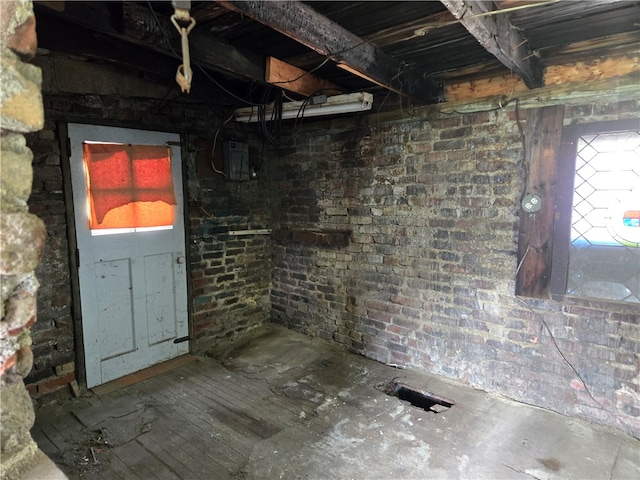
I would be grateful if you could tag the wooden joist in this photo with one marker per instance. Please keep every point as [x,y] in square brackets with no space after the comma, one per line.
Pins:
[137,25]
[303,24]
[499,37]
[296,80]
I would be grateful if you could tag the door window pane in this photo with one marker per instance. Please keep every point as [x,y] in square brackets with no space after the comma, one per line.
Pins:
[130,187]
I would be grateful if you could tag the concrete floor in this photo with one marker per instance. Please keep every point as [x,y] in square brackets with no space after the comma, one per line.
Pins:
[317,412]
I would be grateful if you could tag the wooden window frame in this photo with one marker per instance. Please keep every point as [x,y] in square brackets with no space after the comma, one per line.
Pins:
[565,186]
[544,237]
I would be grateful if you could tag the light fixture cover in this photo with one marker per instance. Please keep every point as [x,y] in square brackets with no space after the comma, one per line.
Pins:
[352,102]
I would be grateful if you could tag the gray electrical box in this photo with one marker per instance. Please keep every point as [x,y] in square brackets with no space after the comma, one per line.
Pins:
[236,160]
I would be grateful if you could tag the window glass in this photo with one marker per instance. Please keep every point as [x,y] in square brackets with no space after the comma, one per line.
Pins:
[130,187]
[604,255]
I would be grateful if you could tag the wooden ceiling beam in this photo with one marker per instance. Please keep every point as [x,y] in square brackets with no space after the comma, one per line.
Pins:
[300,22]
[296,80]
[138,25]
[389,36]
[511,86]
[499,37]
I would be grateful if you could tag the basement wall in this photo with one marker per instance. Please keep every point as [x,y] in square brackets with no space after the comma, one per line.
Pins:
[398,240]
[229,276]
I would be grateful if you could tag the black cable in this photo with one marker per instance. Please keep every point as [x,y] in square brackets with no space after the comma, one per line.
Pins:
[318,67]
[273,133]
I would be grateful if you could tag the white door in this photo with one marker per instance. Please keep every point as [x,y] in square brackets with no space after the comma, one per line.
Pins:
[133,288]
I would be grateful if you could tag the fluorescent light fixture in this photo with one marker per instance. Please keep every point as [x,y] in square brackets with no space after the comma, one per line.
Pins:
[352,102]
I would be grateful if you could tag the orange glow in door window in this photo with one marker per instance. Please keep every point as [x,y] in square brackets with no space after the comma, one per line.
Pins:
[129,186]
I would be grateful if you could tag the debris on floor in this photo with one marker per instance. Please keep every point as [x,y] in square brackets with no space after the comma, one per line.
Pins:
[276,404]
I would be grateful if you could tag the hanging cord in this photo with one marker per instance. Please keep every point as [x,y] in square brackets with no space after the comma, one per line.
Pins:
[184,73]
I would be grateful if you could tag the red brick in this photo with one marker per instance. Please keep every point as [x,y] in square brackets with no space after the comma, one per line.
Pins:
[56,383]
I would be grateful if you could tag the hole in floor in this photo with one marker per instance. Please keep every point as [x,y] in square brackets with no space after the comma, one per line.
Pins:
[418,398]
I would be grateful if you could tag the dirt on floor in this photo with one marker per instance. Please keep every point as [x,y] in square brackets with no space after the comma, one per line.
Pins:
[276,404]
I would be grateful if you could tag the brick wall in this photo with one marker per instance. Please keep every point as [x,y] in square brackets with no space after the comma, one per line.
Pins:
[53,337]
[428,277]
[230,276]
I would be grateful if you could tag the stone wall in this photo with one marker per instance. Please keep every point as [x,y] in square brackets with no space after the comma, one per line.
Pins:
[22,234]
[428,277]
[230,277]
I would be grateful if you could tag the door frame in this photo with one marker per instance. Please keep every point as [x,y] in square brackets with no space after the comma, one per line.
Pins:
[72,242]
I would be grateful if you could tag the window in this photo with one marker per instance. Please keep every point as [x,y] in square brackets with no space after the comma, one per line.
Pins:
[597,233]
[130,187]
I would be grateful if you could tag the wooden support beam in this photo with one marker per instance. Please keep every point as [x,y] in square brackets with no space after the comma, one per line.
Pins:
[512,86]
[303,24]
[589,71]
[542,143]
[137,25]
[499,37]
[618,89]
[297,80]
[506,84]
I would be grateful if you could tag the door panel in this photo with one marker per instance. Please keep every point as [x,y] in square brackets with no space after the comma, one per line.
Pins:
[160,295]
[133,288]
[117,335]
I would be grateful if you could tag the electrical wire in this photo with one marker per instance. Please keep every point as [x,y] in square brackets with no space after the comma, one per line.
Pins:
[543,322]
[164,34]
[526,251]
[326,60]
[273,131]
[274,134]
[422,31]
[545,325]
[227,91]
[213,148]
